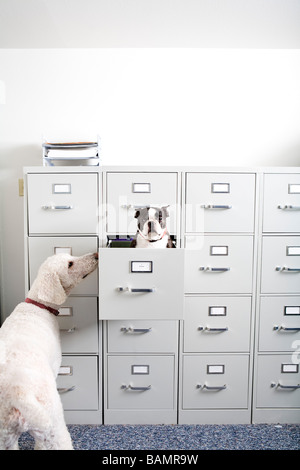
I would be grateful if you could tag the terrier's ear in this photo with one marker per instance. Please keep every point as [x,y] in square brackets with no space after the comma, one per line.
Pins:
[166,211]
[137,213]
[50,289]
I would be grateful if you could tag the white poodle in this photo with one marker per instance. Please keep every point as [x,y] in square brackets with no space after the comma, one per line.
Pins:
[30,357]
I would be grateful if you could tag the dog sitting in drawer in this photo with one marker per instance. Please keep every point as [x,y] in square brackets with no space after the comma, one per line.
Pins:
[152,229]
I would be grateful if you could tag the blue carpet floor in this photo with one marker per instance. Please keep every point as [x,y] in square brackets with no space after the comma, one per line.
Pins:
[181,437]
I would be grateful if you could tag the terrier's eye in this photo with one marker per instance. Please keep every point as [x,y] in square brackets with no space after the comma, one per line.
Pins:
[70,264]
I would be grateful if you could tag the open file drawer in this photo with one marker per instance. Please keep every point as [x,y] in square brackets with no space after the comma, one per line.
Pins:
[139,284]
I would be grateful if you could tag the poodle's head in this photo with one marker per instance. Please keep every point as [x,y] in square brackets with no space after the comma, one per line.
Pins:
[59,274]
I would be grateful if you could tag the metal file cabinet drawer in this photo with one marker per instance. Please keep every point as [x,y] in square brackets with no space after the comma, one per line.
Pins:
[278,382]
[77,382]
[220,202]
[218,264]
[140,336]
[215,381]
[62,203]
[139,284]
[129,191]
[279,323]
[42,247]
[281,265]
[216,324]
[281,203]
[78,325]
[141,382]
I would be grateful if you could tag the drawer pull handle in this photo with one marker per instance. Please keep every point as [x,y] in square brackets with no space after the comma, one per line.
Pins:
[285,328]
[285,387]
[208,328]
[214,206]
[135,389]
[134,206]
[68,330]
[287,270]
[289,207]
[135,290]
[213,270]
[65,390]
[57,208]
[208,387]
[136,330]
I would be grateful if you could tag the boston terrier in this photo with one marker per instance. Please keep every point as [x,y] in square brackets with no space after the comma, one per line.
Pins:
[152,229]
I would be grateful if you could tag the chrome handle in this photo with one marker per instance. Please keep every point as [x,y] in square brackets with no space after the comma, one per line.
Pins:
[216,206]
[213,270]
[135,330]
[208,387]
[287,387]
[287,270]
[289,207]
[134,206]
[285,328]
[68,330]
[135,389]
[134,290]
[65,390]
[57,208]
[208,328]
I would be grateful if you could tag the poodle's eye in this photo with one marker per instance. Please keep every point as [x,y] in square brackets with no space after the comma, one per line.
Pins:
[70,264]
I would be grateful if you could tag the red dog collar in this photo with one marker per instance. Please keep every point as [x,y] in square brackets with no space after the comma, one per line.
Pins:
[50,309]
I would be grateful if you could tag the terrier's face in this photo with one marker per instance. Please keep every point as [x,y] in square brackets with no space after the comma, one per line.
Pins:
[151,221]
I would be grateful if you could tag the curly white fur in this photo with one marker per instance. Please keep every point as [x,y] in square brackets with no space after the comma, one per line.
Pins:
[30,357]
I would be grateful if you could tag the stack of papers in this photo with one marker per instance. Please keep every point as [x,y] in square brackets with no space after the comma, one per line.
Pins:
[74,153]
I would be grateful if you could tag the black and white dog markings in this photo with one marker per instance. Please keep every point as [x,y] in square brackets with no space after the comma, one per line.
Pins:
[152,228]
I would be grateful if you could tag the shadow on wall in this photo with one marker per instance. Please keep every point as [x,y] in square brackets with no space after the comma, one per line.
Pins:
[12,161]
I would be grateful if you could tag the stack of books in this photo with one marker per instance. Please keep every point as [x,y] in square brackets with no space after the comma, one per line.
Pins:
[71,153]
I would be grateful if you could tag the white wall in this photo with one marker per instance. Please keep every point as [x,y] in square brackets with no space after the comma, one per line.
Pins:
[150,107]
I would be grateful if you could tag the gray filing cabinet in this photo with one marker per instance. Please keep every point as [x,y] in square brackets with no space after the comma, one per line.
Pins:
[62,216]
[217,341]
[276,375]
[140,328]
[212,333]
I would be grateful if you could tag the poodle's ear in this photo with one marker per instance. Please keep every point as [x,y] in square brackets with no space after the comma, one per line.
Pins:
[50,289]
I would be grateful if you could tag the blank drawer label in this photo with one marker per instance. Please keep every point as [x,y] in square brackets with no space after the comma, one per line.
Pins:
[292,310]
[293,250]
[217,311]
[65,370]
[294,189]
[219,250]
[215,369]
[61,189]
[141,187]
[220,188]
[289,368]
[66,311]
[140,370]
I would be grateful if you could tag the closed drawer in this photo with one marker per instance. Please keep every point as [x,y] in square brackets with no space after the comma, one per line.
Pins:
[281,203]
[279,323]
[278,382]
[215,381]
[78,325]
[217,324]
[128,191]
[62,203]
[137,284]
[77,382]
[281,265]
[42,247]
[142,336]
[220,202]
[218,264]
[141,382]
